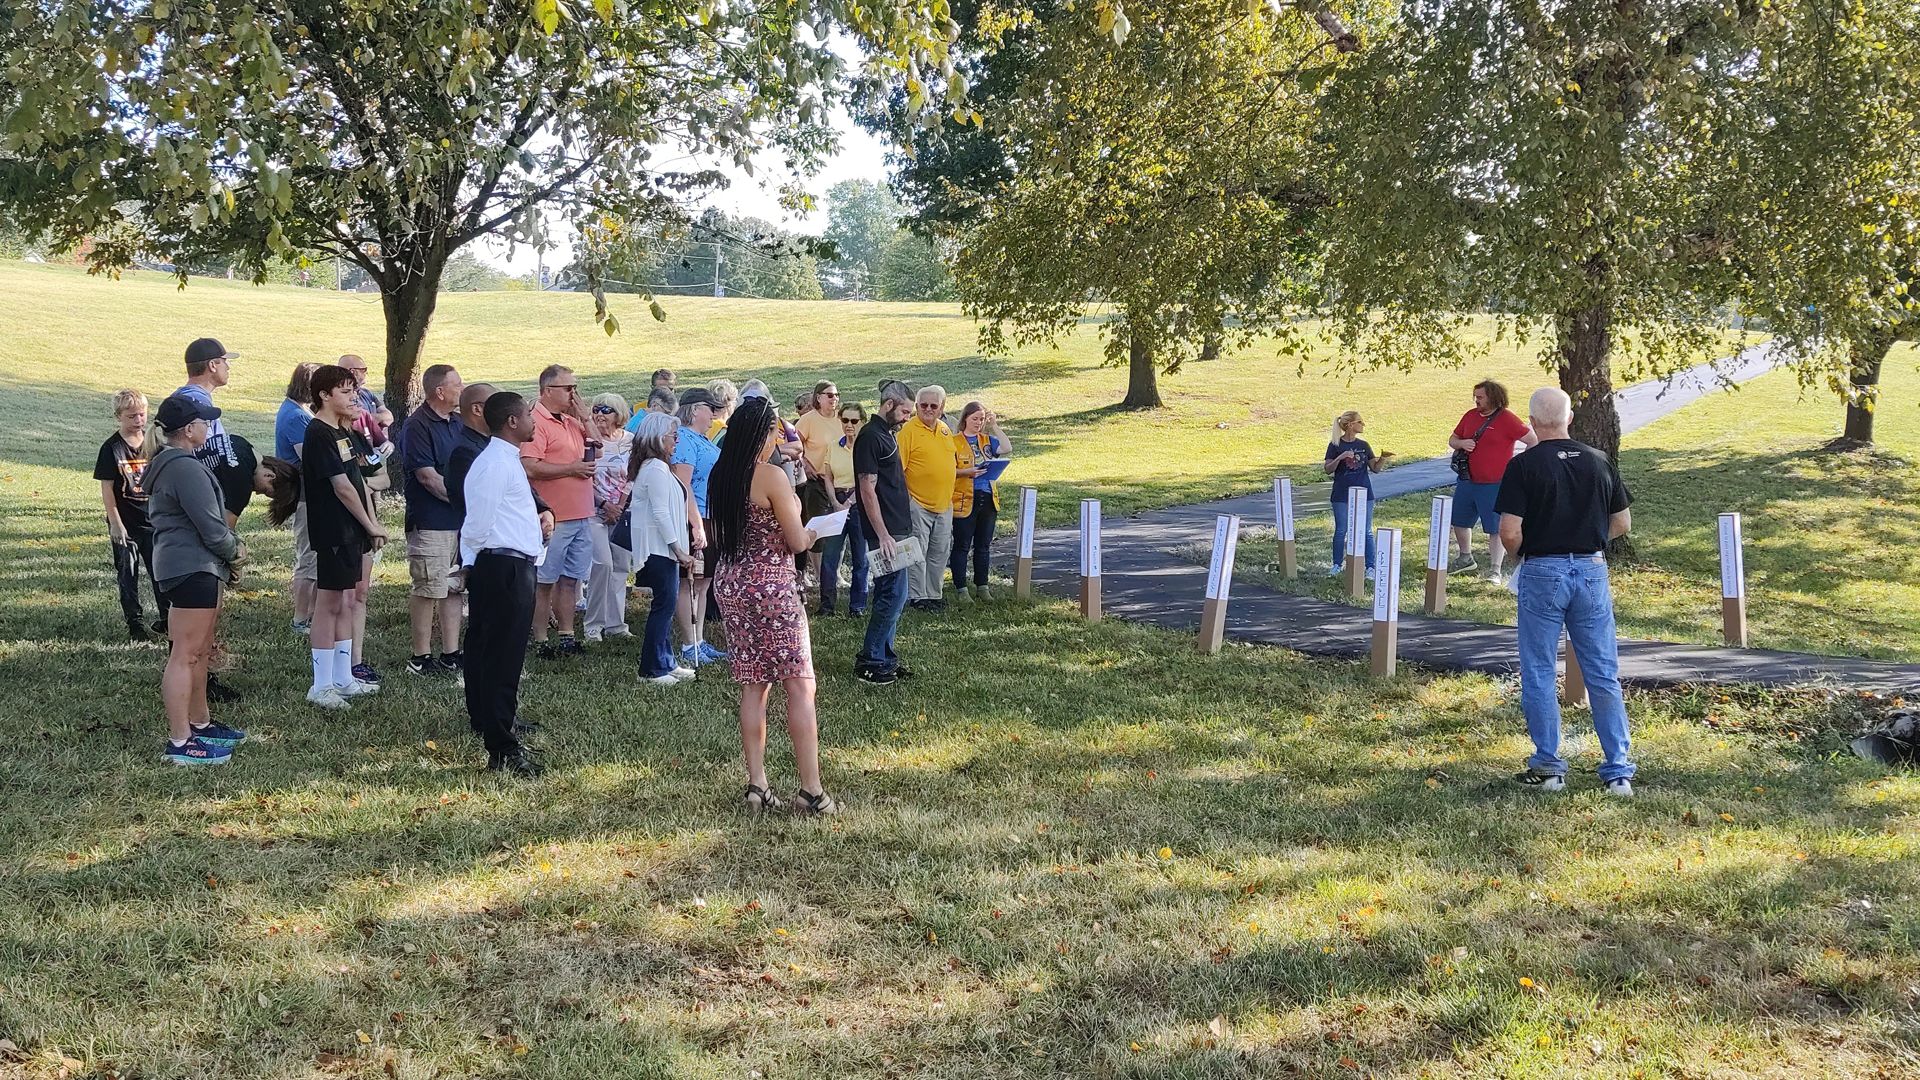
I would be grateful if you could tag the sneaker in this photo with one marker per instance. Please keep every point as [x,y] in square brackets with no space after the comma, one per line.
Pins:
[614,632]
[137,631]
[302,628]
[1462,564]
[366,674]
[593,637]
[682,673]
[962,597]
[876,678]
[668,679]
[1622,788]
[1541,781]
[452,663]
[516,762]
[570,646]
[221,692]
[981,592]
[357,688]
[1496,581]
[856,613]
[218,734]
[327,697]
[711,655]
[159,628]
[546,650]
[423,665]
[196,752]
[902,671]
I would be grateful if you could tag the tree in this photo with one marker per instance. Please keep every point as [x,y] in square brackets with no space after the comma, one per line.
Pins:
[1599,168]
[862,218]
[911,269]
[466,273]
[393,135]
[1163,169]
[745,256]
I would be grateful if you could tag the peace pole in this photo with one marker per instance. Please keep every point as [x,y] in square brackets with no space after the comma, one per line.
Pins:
[1023,561]
[1213,614]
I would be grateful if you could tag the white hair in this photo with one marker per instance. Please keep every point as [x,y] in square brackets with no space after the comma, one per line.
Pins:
[650,441]
[937,393]
[1550,407]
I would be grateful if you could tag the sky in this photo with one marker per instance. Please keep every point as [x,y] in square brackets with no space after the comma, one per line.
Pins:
[860,157]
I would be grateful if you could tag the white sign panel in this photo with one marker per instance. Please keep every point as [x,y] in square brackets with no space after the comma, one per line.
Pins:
[1029,499]
[1226,537]
[1357,522]
[1283,507]
[1437,532]
[1089,537]
[1386,576]
[1733,561]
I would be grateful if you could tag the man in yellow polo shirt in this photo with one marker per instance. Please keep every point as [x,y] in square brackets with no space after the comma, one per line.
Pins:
[932,464]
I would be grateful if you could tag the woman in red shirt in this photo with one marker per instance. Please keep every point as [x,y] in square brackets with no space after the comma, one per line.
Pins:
[1487,434]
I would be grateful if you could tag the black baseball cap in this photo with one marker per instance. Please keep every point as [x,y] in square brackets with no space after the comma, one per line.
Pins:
[698,395]
[206,350]
[180,410]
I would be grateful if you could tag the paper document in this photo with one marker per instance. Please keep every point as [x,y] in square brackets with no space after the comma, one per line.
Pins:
[827,525]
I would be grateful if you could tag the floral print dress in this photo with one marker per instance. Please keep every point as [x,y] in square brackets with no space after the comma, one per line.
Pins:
[760,605]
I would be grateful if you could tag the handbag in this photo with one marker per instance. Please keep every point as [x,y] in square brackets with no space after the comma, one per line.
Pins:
[1462,462]
[621,535]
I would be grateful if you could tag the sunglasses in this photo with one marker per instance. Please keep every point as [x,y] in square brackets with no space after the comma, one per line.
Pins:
[929,405]
[604,410]
[849,419]
[563,386]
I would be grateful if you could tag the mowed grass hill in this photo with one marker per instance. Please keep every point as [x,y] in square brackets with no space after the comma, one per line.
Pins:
[1229,425]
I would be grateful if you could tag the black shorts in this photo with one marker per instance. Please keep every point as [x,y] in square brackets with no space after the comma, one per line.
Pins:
[199,591]
[337,569]
[709,555]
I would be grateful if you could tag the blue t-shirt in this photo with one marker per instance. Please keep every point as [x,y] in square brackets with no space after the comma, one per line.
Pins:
[427,441]
[698,451]
[290,430]
[982,455]
[1357,475]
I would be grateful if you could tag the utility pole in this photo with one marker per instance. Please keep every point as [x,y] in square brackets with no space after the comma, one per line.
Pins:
[719,275]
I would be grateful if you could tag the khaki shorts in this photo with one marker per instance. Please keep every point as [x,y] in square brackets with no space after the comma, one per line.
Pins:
[432,555]
[305,566]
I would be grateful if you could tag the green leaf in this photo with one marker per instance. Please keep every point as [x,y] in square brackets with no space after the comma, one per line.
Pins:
[547,14]
[610,324]
[659,313]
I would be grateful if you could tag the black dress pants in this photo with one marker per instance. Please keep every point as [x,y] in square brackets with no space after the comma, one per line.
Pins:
[499,610]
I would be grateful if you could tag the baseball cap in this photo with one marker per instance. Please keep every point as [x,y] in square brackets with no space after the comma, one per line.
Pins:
[697,395]
[206,349]
[180,410]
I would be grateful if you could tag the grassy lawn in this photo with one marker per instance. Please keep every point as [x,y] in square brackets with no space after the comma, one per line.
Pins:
[1229,426]
[1068,851]
[1832,540]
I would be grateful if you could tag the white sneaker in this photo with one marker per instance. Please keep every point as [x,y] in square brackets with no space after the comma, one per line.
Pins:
[662,680]
[326,697]
[356,688]
[681,673]
[1622,788]
[593,637]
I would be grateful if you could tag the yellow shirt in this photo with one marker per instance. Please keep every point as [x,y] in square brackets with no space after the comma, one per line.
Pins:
[714,431]
[841,457]
[930,459]
[818,433]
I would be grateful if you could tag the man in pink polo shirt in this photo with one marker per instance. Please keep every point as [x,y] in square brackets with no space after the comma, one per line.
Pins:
[562,475]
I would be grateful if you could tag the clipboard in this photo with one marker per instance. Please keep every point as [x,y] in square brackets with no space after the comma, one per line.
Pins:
[993,467]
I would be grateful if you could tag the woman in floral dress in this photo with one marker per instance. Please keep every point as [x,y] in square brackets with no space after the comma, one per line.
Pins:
[757,531]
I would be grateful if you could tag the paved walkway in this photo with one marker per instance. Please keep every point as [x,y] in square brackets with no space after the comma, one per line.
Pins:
[1145,581]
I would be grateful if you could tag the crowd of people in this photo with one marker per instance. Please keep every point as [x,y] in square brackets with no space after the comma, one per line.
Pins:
[533,525]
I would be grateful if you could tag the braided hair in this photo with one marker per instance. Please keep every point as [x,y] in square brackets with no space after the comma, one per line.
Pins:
[731,481]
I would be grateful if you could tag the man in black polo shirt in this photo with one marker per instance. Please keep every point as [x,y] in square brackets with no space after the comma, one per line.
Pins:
[1560,503]
[882,493]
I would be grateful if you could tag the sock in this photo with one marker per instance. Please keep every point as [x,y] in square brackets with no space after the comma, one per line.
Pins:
[343,662]
[322,668]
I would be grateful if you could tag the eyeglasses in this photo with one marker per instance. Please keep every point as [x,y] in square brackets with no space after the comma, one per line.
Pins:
[604,410]
[930,405]
[568,386]
[849,419]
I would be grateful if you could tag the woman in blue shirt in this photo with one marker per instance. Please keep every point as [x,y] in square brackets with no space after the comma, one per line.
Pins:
[1352,464]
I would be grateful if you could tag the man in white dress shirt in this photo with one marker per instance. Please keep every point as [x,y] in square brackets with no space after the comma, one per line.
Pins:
[501,543]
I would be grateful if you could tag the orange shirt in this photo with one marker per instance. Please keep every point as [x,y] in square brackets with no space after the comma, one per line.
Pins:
[560,440]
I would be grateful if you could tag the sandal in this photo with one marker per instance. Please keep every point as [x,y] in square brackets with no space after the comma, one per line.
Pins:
[821,805]
[760,801]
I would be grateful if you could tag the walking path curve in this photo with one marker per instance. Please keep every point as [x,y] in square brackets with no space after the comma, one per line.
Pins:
[1144,580]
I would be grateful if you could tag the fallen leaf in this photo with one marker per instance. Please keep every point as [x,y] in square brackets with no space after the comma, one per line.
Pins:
[1166,853]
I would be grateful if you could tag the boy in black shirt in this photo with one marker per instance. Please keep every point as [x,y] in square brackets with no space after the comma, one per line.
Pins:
[343,530]
[1560,503]
[120,468]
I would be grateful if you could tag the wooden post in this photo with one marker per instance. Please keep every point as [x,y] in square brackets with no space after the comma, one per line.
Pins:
[1574,693]
[1090,559]
[1213,614]
[1733,581]
[1283,525]
[1023,560]
[1437,525]
[1355,565]
[1386,602]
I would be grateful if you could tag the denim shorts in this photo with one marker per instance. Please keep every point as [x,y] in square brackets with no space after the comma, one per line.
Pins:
[569,553]
[1474,502]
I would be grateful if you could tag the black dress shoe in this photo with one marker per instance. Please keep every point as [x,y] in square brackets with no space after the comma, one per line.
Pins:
[516,762]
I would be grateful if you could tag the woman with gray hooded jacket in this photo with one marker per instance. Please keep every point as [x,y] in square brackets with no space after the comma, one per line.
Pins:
[194,553]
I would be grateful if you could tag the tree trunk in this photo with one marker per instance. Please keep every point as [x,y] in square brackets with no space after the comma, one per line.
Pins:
[1868,354]
[409,309]
[1210,347]
[1143,387]
[1586,374]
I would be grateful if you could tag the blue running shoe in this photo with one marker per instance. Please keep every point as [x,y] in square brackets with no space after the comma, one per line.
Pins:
[218,734]
[195,752]
[365,673]
[711,655]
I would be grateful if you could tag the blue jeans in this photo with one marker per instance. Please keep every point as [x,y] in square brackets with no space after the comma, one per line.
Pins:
[662,575]
[1340,529]
[889,599]
[1570,591]
[853,543]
